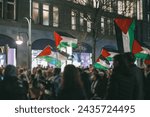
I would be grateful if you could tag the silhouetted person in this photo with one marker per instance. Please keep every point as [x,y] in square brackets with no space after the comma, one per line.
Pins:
[85,77]
[138,74]
[56,81]
[71,87]
[147,84]
[10,86]
[122,82]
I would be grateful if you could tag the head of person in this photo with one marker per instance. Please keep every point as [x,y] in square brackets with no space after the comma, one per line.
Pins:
[10,71]
[71,77]
[39,72]
[120,63]
[95,74]
[57,71]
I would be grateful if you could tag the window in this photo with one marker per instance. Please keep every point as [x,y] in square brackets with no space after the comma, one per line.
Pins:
[129,9]
[45,14]
[73,19]
[109,6]
[55,16]
[102,25]
[82,2]
[121,7]
[139,10]
[35,14]
[11,9]
[81,21]
[106,5]
[1,8]
[88,23]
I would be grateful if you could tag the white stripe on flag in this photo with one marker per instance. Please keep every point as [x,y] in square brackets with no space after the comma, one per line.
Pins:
[69,39]
[145,50]
[103,63]
[126,42]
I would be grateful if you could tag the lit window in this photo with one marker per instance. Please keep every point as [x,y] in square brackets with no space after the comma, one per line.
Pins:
[45,14]
[89,23]
[73,20]
[120,7]
[106,6]
[102,25]
[35,14]
[96,3]
[1,8]
[55,17]
[139,10]
[82,2]
[11,9]
[129,9]
[82,21]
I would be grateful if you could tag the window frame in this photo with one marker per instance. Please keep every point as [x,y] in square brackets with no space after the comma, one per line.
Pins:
[73,19]
[1,1]
[56,23]
[48,11]
[14,12]
[37,19]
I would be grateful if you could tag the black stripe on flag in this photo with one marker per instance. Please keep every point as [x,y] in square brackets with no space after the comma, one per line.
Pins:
[119,38]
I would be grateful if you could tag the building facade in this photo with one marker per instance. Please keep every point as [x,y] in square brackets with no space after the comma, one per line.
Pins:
[84,19]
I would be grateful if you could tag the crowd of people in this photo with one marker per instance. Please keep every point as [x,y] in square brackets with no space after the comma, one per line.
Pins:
[124,81]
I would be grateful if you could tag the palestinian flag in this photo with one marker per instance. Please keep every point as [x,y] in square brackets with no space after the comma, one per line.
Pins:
[125,28]
[144,54]
[101,63]
[140,51]
[108,54]
[52,60]
[147,60]
[62,40]
[46,51]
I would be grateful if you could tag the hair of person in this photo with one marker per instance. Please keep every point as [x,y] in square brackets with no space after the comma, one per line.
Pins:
[71,77]
[57,71]
[39,71]
[10,71]
[122,64]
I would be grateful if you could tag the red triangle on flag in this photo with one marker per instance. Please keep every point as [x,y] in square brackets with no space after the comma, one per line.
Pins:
[58,38]
[98,59]
[123,24]
[147,62]
[105,53]
[136,48]
[46,51]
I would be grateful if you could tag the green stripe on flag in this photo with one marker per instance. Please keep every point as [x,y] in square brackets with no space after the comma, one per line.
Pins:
[109,58]
[131,34]
[141,55]
[74,45]
[52,60]
[99,66]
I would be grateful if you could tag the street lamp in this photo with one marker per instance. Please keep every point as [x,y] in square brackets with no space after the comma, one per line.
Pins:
[29,20]
[19,40]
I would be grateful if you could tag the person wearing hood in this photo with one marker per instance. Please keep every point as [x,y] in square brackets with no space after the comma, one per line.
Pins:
[10,89]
